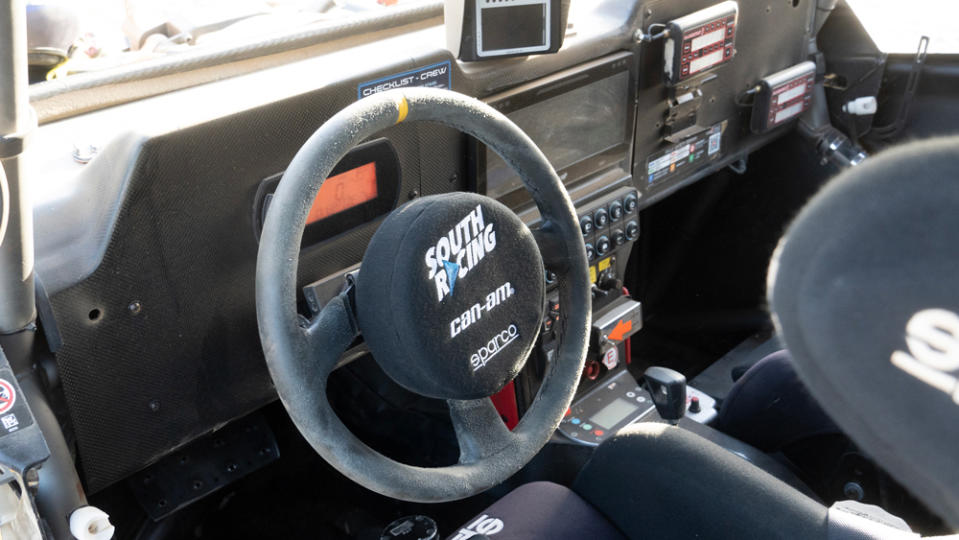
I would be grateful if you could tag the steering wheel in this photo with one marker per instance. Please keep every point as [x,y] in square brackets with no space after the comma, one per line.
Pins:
[449,298]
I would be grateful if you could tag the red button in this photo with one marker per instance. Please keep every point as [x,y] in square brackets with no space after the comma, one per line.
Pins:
[598,433]
[569,412]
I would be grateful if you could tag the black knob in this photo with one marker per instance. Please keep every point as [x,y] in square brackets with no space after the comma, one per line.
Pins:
[610,283]
[601,218]
[619,238]
[668,390]
[615,210]
[694,406]
[632,230]
[590,252]
[630,202]
[412,528]
[586,225]
[602,246]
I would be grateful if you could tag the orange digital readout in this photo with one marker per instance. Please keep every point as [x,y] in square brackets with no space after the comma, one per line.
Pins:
[344,191]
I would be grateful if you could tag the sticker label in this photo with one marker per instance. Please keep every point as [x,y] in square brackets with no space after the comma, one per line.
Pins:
[685,156]
[457,252]
[496,344]
[482,525]
[621,331]
[8,396]
[432,76]
[475,313]
[611,358]
[14,413]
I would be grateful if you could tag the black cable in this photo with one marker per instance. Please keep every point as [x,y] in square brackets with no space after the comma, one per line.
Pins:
[649,36]
[745,99]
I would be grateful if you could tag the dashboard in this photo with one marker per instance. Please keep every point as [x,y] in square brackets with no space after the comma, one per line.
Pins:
[147,254]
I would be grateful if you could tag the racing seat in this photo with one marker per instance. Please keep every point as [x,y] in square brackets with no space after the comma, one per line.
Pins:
[865,293]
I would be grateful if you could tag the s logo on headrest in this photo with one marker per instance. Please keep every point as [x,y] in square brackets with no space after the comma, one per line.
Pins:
[932,336]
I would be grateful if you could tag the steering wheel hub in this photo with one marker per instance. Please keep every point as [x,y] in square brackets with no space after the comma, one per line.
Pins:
[450,295]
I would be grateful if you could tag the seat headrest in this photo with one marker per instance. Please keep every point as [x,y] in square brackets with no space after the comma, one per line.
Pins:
[864,288]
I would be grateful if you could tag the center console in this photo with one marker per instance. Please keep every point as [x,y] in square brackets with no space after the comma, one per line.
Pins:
[593,158]
[620,401]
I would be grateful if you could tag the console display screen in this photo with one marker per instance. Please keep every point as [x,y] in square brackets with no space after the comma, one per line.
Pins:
[344,191]
[593,119]
[613,413]
[514,27]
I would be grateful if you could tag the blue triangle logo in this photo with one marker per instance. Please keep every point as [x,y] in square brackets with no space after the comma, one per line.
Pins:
[452,270]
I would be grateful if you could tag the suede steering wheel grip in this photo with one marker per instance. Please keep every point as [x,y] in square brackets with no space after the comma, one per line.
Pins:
[301,357]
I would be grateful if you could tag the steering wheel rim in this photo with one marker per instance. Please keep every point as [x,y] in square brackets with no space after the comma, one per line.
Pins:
[300,357]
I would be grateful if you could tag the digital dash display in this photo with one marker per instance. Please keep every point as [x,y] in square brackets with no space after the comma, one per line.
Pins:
[613,413]
[344,191]
[514,27]
[704,62]
[700,41]
[709,39]
[362,187]
[783,96]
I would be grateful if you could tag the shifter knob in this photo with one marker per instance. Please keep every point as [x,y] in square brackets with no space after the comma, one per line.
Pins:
[668,389]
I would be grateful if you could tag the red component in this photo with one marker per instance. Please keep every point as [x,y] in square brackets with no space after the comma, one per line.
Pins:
[592,370]
[569,412]
[629,348]
[505,403]
[599,433]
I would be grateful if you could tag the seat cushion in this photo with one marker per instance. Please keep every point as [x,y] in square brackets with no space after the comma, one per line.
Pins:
[770,408]
[539,510]
[665,482]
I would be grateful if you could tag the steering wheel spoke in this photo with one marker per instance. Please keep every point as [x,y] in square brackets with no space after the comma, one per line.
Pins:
[552,247]
[328,335]
[479,428]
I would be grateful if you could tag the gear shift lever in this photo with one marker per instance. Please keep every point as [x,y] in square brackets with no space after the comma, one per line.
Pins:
[668,389]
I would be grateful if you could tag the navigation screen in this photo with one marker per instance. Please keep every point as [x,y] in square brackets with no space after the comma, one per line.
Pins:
[593,120]
[514,27]
[344,191]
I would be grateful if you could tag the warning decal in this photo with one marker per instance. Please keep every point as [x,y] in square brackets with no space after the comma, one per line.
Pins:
[8,396]
[14,413]
[686,157]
